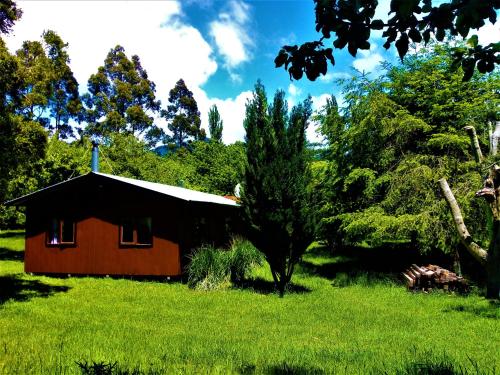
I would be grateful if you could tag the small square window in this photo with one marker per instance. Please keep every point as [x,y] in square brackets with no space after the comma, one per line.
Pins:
[136,231]
[61,232]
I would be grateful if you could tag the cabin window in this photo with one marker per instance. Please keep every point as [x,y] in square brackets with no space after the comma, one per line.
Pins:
[136,231]
[61,232]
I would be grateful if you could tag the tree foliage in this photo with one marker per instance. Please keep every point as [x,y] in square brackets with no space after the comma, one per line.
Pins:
[9,14]
[22,140]
[411,21]
[396,137]
[183,116]
[215,124]
[63,100]
[274,190]
[121,99]
[47,89]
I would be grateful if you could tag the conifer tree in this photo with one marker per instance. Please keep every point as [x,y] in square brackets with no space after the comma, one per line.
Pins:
[274,192]
[183,116]
[121,98]
[215,124]
[64,100]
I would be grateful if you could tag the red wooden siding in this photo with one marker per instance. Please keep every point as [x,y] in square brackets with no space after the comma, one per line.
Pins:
[98,252]
[98,207]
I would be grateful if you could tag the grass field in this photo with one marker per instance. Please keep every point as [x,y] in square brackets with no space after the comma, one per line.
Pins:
[334,320]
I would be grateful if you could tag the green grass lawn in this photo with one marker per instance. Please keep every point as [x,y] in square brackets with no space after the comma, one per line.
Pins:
[331,322]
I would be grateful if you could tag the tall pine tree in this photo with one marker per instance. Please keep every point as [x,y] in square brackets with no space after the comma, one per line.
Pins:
[121,99]
[183,116]
[64,100]
[274,193]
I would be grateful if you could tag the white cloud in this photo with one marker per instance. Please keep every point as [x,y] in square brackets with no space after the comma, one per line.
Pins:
[312,130]
[368,52]
[487,34]
[383,8]
[240,11]
[231,36]
[168,48]
[332,76]
[318,103]
[236,78]
[368,63]
[232,112]
[294,90]
[149,29]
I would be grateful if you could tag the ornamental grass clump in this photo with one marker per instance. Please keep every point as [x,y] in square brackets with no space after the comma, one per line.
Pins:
[245,257]
[212,268]
[209,268]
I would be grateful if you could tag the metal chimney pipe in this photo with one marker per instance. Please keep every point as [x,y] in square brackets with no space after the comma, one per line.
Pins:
[95,157]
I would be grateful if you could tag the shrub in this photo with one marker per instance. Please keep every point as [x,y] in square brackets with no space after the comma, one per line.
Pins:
[244,257]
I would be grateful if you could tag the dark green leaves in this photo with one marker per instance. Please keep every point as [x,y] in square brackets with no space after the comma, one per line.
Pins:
[351,22]
[311,58]
[377,25]
[9,13]
[402,45]
[473,41]
[274,193]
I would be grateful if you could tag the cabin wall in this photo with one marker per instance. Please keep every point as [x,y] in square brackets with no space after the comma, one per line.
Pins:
[98,206]
[97,249]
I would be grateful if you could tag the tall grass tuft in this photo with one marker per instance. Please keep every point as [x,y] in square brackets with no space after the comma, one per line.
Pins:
[245,257]
[209,268]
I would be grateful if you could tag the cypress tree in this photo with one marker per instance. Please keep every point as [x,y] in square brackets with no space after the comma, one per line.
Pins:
[274,190]
[215,124]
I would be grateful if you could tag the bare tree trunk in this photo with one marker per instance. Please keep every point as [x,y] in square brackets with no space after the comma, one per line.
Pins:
[491,193]
[476,149]
[490,136]
[495,138]
[476,251]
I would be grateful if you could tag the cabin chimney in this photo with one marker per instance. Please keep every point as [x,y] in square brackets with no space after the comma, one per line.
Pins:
[95,157]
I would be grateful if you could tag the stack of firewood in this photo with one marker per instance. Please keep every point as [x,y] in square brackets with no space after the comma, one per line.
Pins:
[426,278]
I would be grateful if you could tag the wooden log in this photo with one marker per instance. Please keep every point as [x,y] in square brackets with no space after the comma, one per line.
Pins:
[417,268]
[409,281]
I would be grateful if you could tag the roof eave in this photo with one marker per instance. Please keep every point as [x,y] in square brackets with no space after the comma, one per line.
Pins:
[21,200]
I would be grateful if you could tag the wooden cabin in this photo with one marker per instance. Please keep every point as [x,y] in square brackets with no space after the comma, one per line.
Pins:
[100,224]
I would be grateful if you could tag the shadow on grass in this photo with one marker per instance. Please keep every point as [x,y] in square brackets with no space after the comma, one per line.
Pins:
[492,311]
[361,266]
[350,272]
[443,366]
[13,287]
[12,234]
[262,286]
[8,254]
[281,369]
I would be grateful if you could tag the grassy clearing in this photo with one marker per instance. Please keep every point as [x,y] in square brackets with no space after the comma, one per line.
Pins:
[327,324]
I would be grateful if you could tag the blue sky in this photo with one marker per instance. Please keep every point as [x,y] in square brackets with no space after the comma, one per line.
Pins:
[220,48]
